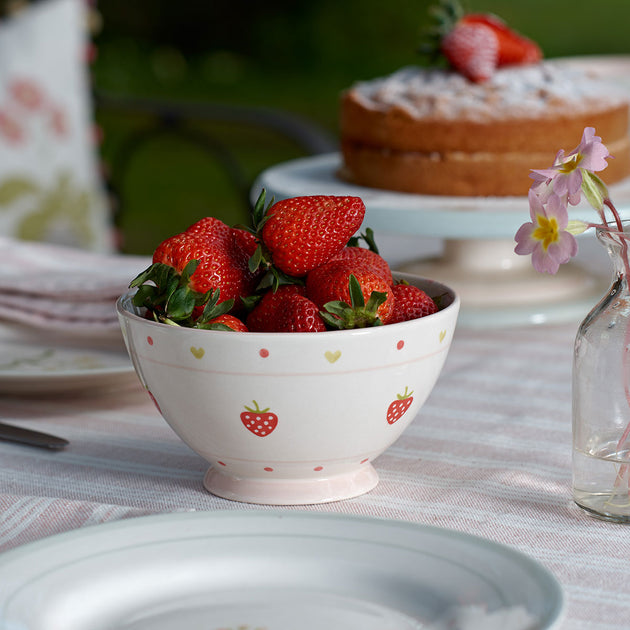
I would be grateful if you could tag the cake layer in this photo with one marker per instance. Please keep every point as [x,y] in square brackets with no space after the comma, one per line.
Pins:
[458,173]
[396,129]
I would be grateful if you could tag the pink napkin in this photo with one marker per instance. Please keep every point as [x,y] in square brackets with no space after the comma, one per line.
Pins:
[62,288]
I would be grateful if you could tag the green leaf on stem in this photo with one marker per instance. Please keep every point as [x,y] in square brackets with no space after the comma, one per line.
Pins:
[341,315]
[594,190]
[180,304]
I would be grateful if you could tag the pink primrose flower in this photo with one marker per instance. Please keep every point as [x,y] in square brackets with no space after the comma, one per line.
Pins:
[565,176]
[593,153]
[546,237]
[543,184]
[544,189]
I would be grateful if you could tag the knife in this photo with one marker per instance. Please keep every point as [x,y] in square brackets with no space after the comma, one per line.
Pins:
[29,436]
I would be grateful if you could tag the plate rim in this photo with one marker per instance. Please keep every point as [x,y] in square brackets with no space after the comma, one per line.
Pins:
[64,374]
[17,380]
[106,533]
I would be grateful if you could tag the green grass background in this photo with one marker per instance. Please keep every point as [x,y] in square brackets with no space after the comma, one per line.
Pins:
[291,55]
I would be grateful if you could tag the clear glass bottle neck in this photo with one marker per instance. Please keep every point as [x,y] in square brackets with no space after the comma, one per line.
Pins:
[618,248]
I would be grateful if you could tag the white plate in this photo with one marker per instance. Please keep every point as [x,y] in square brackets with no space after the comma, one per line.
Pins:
[258,570]
[33,361]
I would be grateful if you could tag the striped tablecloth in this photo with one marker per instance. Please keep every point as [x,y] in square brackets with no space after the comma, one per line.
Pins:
[489,454]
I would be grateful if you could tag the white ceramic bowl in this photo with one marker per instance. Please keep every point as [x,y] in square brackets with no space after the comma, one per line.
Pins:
[291,418]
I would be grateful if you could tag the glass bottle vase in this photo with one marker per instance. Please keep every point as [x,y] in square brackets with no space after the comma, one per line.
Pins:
[601,394]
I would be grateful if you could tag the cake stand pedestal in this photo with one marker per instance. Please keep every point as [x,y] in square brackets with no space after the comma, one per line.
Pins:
[496,287]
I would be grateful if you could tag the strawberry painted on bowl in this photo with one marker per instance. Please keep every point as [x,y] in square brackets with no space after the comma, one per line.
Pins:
[291,418]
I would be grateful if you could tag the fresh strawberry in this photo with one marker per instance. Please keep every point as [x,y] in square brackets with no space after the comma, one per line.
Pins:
[213,314]
[399,407]
[354,297]
[465,41]
[299,314]
[473,50]
[167,296]
[301,233]
[176,250]
[191,266]
[246,240]
[286,310]
[167,251]
[410,303]
[210,226]
[359,257]
[223,256]
[223,264]
[513,47]
[226,322]
[260,422]
[263,316]
[369,258]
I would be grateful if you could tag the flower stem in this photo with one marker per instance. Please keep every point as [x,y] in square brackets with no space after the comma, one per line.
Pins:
[623,241]
[617,218]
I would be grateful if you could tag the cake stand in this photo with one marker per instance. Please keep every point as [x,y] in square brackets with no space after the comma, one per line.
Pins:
[496,287]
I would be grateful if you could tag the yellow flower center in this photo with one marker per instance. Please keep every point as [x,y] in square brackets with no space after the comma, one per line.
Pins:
[570,165]
[547,231]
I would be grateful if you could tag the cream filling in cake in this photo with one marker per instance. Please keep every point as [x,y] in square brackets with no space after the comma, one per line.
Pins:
[541,159]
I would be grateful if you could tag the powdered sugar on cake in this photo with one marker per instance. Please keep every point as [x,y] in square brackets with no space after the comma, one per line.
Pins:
[544,89]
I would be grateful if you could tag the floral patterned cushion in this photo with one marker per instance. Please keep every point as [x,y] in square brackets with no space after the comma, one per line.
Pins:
[50,187]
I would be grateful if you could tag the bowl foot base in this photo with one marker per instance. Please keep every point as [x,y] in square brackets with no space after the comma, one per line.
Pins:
[291,491]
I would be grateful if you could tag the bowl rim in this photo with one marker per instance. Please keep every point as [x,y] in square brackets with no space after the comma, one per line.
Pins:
[122,304]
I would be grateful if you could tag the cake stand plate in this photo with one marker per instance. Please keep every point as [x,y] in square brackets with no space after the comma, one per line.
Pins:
[497,287]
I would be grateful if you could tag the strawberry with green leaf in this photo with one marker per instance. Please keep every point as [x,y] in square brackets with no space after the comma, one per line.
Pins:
[166,293]
[475,44]
[298,234]
[368,257]
[190,267]
[226,322]
[260,422]
[397,408]
[216,315]
[223,262]
[350,296]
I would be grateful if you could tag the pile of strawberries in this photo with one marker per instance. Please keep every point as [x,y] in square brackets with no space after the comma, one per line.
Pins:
[476,44]
[299,268]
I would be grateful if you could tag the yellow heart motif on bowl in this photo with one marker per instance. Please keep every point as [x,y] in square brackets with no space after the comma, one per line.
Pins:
[197,352]
[442,335]
[331,357]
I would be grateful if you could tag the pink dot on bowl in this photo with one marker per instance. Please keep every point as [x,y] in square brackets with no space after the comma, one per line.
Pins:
[150,340]
[221,463]
[268,469]
[318,468]
[264,353]
[400,344]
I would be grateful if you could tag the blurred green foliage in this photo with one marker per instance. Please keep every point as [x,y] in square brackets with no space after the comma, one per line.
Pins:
[292,55]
